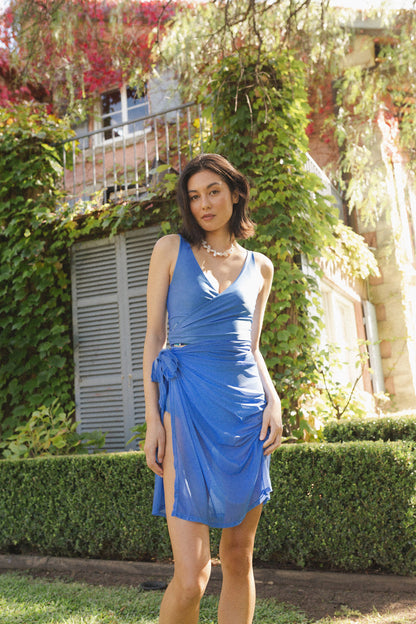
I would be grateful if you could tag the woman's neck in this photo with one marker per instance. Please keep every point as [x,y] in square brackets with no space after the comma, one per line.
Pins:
[220,241]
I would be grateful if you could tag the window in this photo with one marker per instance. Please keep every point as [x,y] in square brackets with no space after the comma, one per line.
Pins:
[341,331]
[119,106]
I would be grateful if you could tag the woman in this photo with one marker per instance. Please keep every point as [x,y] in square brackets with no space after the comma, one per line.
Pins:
[213,415]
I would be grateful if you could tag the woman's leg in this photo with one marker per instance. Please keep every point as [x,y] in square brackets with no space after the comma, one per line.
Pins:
[238,595]
[191,553]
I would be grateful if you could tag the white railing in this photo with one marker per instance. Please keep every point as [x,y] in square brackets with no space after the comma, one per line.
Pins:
[125,160]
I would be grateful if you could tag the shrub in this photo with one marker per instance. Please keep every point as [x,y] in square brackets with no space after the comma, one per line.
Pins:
[81,505]
[344,506]
[336,506]
[50,431]
[387,428]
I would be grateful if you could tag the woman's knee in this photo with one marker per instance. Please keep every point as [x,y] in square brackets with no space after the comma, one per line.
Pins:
[236,557]
[192,583]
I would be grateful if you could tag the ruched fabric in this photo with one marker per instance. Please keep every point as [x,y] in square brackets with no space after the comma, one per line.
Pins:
[211,387]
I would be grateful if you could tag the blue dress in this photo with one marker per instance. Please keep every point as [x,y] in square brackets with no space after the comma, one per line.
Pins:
[212,389]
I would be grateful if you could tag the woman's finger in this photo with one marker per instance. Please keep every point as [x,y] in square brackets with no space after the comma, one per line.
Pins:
[273,441]
[155,466]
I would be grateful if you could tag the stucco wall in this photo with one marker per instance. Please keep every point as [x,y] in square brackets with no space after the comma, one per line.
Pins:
[390,293]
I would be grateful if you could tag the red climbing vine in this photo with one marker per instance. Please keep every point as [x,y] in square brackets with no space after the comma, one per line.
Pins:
[59,52]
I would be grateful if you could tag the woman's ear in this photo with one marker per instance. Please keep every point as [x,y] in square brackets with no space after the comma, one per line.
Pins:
[235,196]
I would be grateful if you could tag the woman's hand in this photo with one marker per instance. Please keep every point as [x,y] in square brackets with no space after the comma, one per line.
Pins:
[272,424]
[154,446]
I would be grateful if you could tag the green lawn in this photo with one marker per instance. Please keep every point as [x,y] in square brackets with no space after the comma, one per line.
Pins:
[27,600]
[24,600]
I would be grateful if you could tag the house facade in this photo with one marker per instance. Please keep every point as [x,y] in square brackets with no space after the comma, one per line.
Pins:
[394,292]
[109,276]
[392,236]
[118,154]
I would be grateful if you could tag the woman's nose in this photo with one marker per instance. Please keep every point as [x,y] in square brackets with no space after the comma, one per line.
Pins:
[204,202]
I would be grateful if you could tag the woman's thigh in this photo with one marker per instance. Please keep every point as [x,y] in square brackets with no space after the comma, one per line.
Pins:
[237,543]
[190,540]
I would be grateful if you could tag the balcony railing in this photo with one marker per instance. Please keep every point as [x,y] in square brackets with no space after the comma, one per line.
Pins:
[125,160]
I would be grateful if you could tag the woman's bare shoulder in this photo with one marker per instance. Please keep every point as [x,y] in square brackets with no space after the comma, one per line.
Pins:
[167,247]
[168,242]
[264,264]
[165,254]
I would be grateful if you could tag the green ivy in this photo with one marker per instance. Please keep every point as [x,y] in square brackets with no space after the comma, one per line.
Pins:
[37,230]
[259,112]
[260,115]
[35,323]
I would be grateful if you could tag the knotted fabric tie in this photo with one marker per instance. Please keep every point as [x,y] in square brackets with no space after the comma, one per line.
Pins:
[165,367]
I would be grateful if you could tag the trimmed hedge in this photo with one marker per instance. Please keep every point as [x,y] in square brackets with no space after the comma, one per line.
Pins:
[87,506]
[335,506]
[349,506]
[387,428]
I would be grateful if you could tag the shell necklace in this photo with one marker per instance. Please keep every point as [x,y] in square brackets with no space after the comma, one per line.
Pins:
[214,252]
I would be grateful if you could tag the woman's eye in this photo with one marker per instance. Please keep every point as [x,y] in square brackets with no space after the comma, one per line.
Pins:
[193,197]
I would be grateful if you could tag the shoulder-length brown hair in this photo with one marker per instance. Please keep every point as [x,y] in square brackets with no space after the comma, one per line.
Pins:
[241,225]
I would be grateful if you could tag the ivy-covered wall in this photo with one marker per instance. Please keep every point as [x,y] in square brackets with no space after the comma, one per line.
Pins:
[35,322]
[260,107]
[37,230]
[259,114]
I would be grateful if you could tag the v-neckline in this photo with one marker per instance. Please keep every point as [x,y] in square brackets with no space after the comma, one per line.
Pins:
[217,293]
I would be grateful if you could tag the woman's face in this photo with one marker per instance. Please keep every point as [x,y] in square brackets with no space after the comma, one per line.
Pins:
[210,200]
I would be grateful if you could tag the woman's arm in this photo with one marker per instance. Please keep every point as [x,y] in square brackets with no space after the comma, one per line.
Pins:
[162,264]
[272,416]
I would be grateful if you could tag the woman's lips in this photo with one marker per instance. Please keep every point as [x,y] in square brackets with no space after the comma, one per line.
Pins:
[208,217]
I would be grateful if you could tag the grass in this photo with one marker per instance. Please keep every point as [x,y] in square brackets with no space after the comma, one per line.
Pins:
[27,600]
[349,616]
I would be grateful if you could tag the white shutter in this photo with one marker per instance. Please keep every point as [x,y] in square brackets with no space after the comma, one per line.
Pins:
[138,252]
[371,328]
[109,316]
